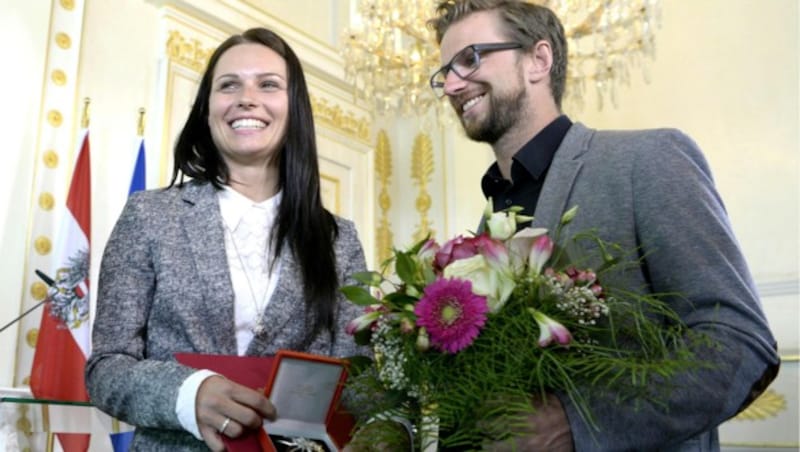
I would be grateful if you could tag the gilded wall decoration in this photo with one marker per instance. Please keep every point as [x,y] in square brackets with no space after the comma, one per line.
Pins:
[31,337]
[50,159]
[42,245]
[59,77]
[767,405]
[421,171]
[47,201]
[338,118]
[55,118]
[383,171]
[187,52]
[770,421]
[38,291]
[63,40]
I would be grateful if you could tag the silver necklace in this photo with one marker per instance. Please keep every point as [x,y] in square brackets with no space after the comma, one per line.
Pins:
[260,326]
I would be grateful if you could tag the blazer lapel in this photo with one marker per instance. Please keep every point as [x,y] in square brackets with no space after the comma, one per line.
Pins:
[561,177]
[286,306]
[202,223]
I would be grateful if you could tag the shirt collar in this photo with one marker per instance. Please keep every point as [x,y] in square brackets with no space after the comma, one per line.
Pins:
[534,157]
[537,154]
[233,206]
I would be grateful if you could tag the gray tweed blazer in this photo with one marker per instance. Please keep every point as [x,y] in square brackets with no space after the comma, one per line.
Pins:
[653,191]
[165,288]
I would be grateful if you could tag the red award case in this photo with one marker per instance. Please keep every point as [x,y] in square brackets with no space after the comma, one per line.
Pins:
[250,371]
[305,390]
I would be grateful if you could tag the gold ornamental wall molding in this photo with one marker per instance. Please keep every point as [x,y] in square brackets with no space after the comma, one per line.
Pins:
[340,119]
[188,52]
[383,170]
[768,405]
[771,420]
[771,403]
[422,167]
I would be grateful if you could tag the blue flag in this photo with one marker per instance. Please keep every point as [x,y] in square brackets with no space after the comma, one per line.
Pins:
[121,442]
[139,180]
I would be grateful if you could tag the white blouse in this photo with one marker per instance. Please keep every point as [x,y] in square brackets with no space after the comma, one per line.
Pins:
[248,227]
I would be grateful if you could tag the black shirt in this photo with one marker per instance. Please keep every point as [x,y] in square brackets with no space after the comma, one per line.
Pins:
[528,170]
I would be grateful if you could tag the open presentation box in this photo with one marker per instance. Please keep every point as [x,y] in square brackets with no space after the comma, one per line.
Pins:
[305,389]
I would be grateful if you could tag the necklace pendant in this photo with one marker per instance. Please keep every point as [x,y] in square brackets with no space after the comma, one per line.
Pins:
[259,328]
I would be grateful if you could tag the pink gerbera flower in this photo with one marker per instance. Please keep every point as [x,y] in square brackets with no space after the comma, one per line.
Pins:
[451,313]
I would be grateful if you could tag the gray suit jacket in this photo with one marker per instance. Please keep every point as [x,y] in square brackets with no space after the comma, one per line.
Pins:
[653,191]
[165,287]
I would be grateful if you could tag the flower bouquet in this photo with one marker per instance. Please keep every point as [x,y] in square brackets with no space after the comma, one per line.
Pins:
[466,332]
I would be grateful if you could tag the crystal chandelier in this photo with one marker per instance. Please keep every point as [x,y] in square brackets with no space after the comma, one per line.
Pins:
[389,52]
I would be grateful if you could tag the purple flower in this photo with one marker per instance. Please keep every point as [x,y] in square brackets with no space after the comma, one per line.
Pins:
[520,245]
[493,250]
[585,277]
[550,330]
[451,314]
[364,321]
[458,248]
[428,251]
[540,253]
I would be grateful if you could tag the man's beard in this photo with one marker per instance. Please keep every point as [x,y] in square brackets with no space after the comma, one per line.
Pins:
[504,112]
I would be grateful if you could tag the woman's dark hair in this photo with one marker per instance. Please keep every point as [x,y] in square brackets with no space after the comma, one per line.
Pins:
[302,222]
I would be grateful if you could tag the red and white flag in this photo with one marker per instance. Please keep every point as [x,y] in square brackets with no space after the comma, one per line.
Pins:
[63,342]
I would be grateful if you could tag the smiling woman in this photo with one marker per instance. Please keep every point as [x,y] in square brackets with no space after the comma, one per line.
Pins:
[248,110]
[213,265]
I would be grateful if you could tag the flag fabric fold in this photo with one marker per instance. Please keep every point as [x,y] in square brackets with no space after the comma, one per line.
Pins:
[63,342]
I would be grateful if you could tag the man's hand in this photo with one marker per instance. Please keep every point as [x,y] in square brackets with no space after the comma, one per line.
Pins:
[546,430]
[227,408]
[380,436]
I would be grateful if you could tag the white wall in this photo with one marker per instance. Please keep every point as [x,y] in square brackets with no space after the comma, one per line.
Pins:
[23,30]
[117,72]
[726,73]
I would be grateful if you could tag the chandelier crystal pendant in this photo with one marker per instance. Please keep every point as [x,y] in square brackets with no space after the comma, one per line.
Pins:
[389,52]
[606,39]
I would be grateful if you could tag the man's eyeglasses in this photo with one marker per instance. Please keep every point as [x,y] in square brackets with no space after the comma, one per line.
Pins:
[465,62]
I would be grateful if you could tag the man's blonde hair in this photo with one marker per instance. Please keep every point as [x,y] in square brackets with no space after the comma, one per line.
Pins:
[525,23]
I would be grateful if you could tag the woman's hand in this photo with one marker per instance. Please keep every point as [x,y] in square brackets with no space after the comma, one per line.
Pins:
[226,408]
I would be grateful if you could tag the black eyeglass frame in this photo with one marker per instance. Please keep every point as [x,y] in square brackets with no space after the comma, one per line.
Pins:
[478,50]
